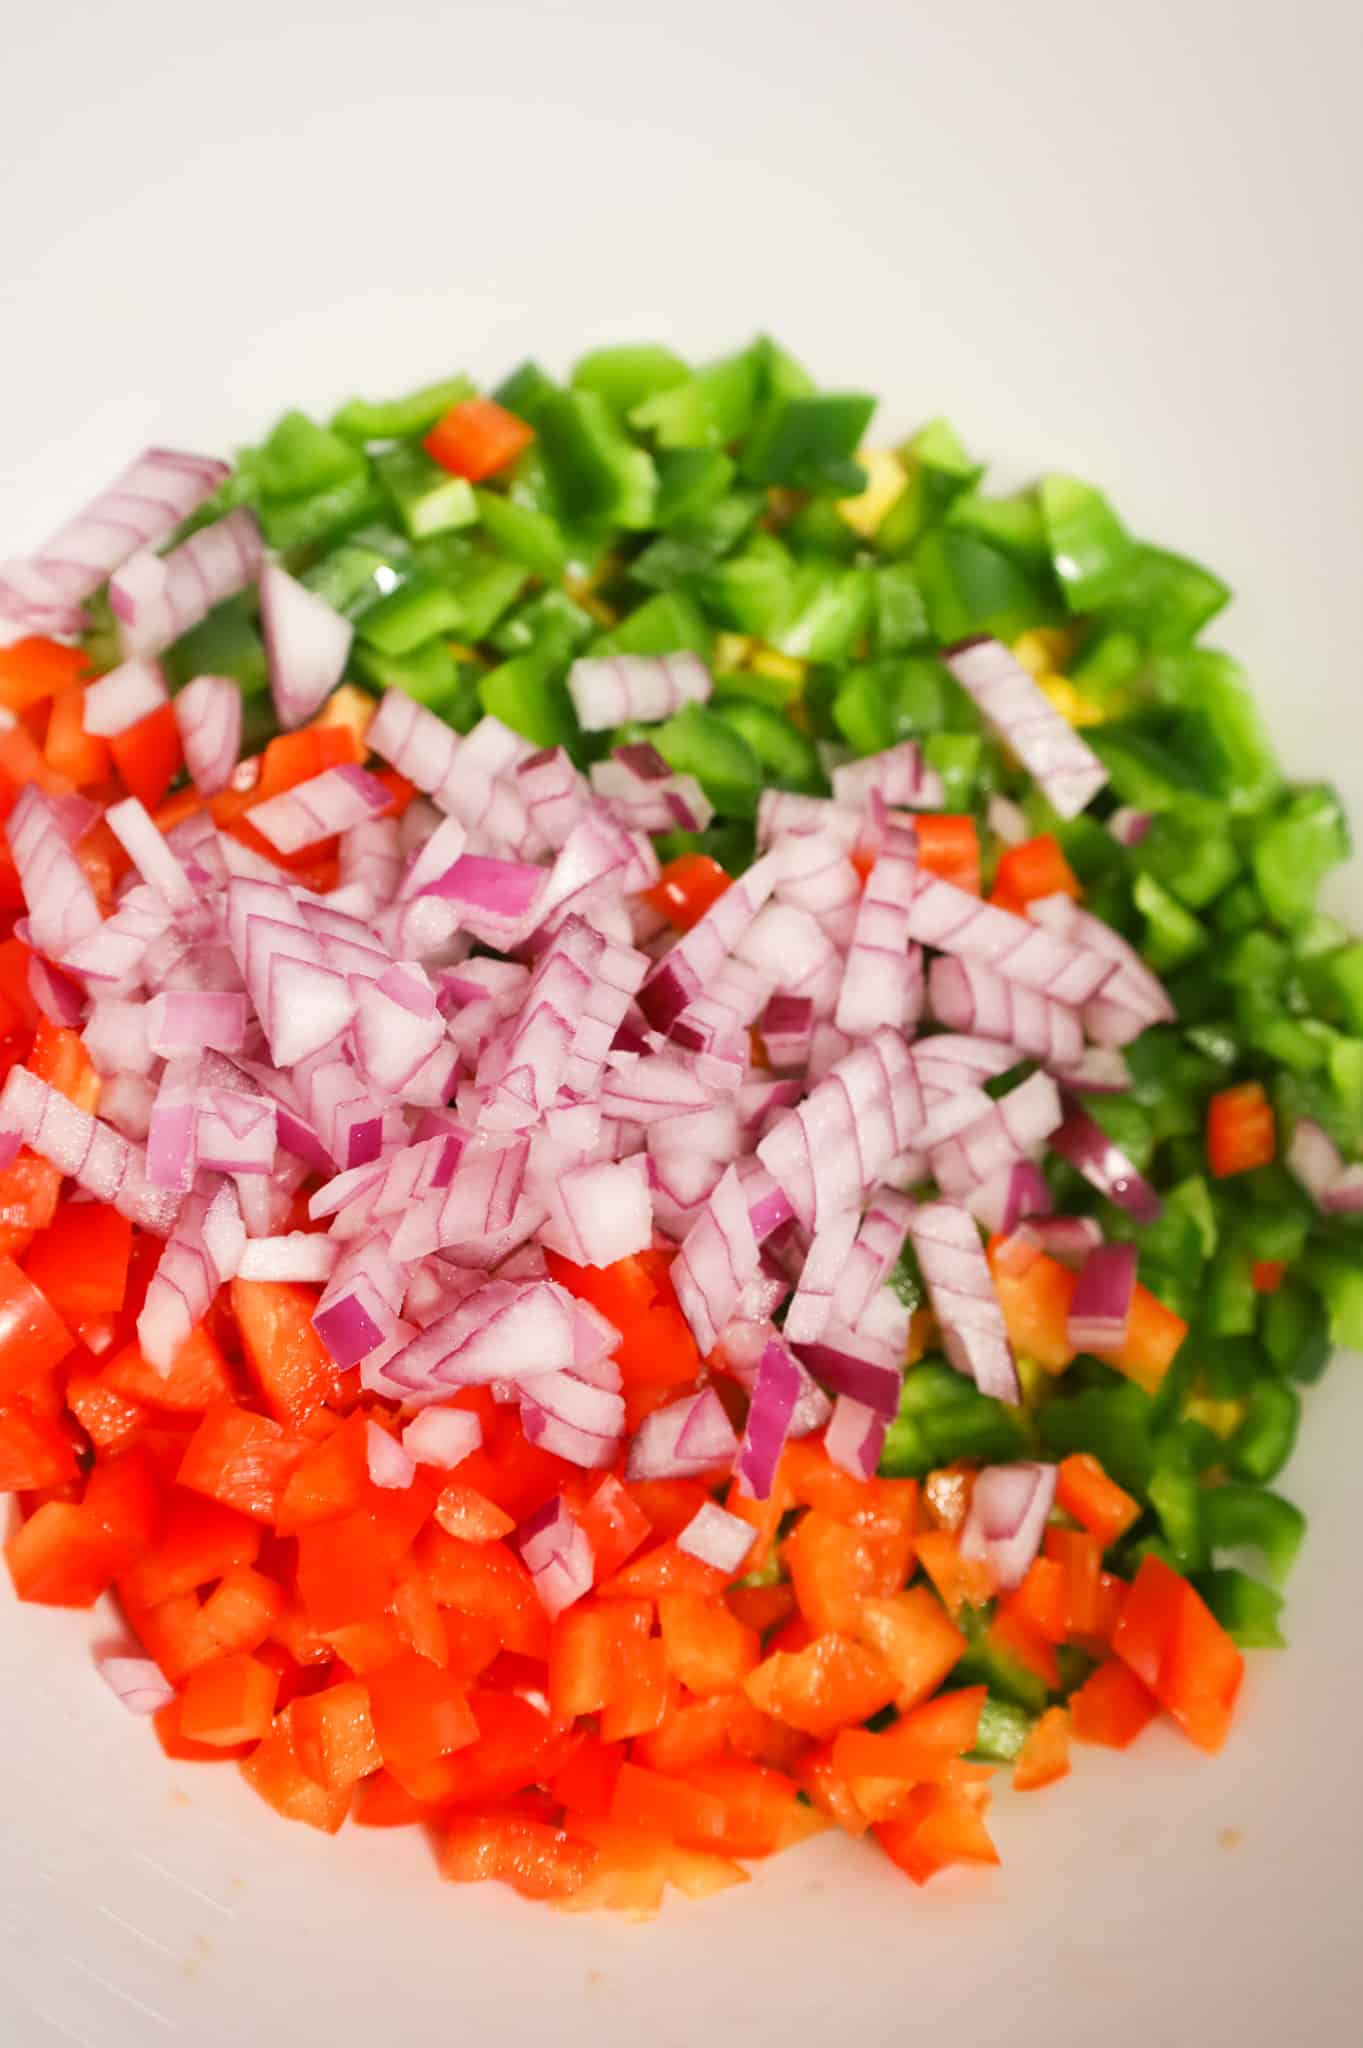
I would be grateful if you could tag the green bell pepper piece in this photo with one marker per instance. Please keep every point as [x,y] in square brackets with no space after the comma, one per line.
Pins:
[806,443]
[1221,729]
[355,501]
[900,617]
[1251,1518]
[398,419]
[356,574]
[690,480]
[430,673]
[939,472]
[528,694]
[1146,768]
[1175,1493]
[298,459]
[969,587]
[1192,863]
[526,391]
[698,741]
[1229,1303]
[1338,1278]
[226,643]
[753,591]
[728,841]
[1263,1443]
[1107,664]
[1003,1729]
[1164,598]
[597,471]
[529,537]
[1267,1027]
[984,1662]
[1091,551]
[818,527]
[548,623]
[959,758]
[1113,1422]
[427,498]
[662,625]
[1253,959]
[693,546]
[788,756]
[1296,1331]
[627,377]
[417,612]
[1013,525]
[1342,975]
[1172,934]
[1293,853]
[831,612]
[1245,1608]
[711,409]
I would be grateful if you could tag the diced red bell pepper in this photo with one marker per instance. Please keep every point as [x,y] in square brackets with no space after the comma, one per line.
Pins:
[274,1771]
[61,1557]
[35,1450]
[486,1579]
[243,1608]
[33,1337]
[643,1695]
[1153,1336]
[34,669]
[961,1581]
[81,1260]
[464,1512]
[824,1688]
[1096,1502]
[1169,1637]
[949,847]
[1080,1558]
[199,1376]
[1035,1304]
[1045,1755]
[148,756]
[178,1746]
[30,1189]
[329,1481]
[708,1650]
[229,1701]
[535,1858]
[476,438]
[201,1541]
[1033,869]
[1241,1133]
[686,889]
[1112,1706]
[614,1525]
[333,1733]
[917,1639]
[762,1809]
[588,1650]
[241,1459]
[938,1827]
[68,748]
[291,1365]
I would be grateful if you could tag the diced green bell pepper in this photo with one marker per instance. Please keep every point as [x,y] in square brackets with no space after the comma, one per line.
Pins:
[939,472]
[298,459]
[626,377]
[1012,525]
[427,498]
[1111,1422]
[1296,1331]
[831,609]
[969,587]
[807,444]
[1091,551]
[412,615]
[959,758]
[398,419]
[987,1662]
[1268,1028]
[1238,1517]
[710,409]
[1263,1443]
[430,673]
[1296,849]
[788,756]
[900,617]
[598,472]
[1338,1277]
[1193,863]
[1221,730]
[1164,598]
[698,741]
[690,480]
[548,623]
[325,515]
[528,694]
[693,546]
[1107,664]
[1245,1608]
[753,591]
[226,643]
[526,391]
[1003,1729]
[662,625]
[1172,934]
[528,536]
[1175,1493]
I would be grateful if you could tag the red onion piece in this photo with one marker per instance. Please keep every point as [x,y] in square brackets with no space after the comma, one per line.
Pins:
[157,598]
[1006,820]
[599,1213]
[1009,1507]
[719,1256]
[136,1682]
[969,997]
[1101,1071]
[123,697]
[104,1164]
[718,1538]
[1104,1165]
[145,847]
[787,1025]
[899,776]
[191,1020]
[855,1437]
[1067,769]
[62,911]
[954,921]
[556,796]
[1315,1160]
[1129,827]
[208,715]
[59,998]
[142,505]
[1068,1238]
[959,1286]
[1001,1202]
[1132,997]
[1010,1128]
[413,740]
[442,1437]
[775,1393]
[390,1465]
[32,600]
[883,983]
[783,811]
[647,795]
[306,644]
[303,1256]
[879,1242]
[620,689]
[827,1153]
[1100,1307]
[558,1556]
[684,1440]
[321,808]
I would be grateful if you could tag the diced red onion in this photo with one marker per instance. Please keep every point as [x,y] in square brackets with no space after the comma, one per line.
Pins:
[883,982]
[599,1213]
[1006,820]
[145,847]
[30,599]
[123,697]
[961,1290]
[1009,1507]
[867,1363]
[142,505]
[1315,1160]
[619,689]
[558,1556]
[719,1256]
[390,1464]
[137,1683]
[208,716]
[157,598]
[1015,1191]
[306,644]
[327,804]
[1010,1128]
[683,1440]
[62,911]
[189,1020]
[787,1025]
[1100,1307]
[1088,1148]
[879,1242]
[57,996]
[235,1131]
[954,921]
[718,1538]
[443,1437]
[898,775]
[1067,769]
[827,1153]
[555,794]
[1129,827]
[1101,1071]
[413,740]
[855,1437]
[1068,1238]
[967,996]
[303,1256]
[104,1164]
[1132,997]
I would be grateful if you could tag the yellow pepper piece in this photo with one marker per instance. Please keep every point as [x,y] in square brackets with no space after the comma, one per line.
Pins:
[1045,649]
[732,650]
[782,668]
[348,706]
[1069,702]
[580,588]
[1223,1418]
[1034,1381]
[886,477]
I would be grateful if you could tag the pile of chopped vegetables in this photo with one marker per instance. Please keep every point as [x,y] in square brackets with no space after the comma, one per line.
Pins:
[676,1122]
